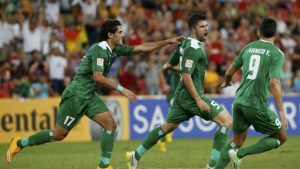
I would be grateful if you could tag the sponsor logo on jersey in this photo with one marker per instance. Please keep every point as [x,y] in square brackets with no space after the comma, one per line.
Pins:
[100,62]
[189,63]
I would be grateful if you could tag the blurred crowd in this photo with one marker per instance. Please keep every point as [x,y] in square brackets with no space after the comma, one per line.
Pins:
[42,41]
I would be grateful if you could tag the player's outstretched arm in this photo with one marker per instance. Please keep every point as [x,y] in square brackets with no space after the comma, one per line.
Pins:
[275,88]
[188,82]
[150,46]
[228,76]
[100,78]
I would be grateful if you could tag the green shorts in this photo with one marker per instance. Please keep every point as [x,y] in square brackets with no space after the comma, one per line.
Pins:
[263,121]
[72,108]
[183,109]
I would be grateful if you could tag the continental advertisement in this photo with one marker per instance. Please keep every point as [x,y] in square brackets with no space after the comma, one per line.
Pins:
[135,120]
[25,117]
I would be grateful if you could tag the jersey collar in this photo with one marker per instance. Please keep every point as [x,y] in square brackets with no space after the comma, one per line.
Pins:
[104,45]
[265,41]
[196,40]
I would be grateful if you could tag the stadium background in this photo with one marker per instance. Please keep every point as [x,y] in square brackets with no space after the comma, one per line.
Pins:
[42,43]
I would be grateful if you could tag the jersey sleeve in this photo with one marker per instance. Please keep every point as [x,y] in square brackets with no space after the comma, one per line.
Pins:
[276,67]
[190,59]
[123,50]
[174,59]
[238,61]
[98,60]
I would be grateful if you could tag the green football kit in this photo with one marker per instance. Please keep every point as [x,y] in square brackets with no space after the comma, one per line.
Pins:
[261,60]
[192,59]
[80,97]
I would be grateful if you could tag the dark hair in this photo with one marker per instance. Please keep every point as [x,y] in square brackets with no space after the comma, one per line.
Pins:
[267,27]
[195,18]
[109,26]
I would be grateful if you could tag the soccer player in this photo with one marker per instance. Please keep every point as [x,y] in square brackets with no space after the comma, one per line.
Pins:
[174,73]
[189,99]
[80,98]
[262,63]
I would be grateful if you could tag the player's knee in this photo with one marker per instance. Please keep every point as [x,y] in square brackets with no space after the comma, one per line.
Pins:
[59,136]
[238,142]
[112,126]
[227,122]
[283,139]
[168,128]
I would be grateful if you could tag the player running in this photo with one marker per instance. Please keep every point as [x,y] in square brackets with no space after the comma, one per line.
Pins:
[262,64]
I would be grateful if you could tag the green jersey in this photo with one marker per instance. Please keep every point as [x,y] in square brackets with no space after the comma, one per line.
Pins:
[175,76]
[193,61]
[98,58]
[261,60]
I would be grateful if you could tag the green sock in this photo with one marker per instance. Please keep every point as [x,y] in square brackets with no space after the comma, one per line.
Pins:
[264,144]
[163,139]
[38,138]
[219,142]
[107,144]
[224,158]
[149,142]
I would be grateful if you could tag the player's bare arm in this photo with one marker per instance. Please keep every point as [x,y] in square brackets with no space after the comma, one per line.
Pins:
[162,79]
[100,78]
[150,46]
[228,76]
[188,82]
[275,88]
[175,68]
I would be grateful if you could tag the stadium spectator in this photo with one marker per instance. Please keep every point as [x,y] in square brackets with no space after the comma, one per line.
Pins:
[128,79]
[57,67]
[32,34]
[6,85]
[152,70]
[212,79]
[28,25]
[296,85]
[89,16]
[40,89]
[22,89]
[52,11]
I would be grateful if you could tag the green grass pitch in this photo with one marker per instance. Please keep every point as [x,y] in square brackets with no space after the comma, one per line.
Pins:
[181,154]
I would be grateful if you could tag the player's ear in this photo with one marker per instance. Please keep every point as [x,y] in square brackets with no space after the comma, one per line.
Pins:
[110,35]
[258,33]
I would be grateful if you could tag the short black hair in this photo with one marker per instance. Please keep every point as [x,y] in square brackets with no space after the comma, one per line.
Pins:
[268,27]
[109,26]
[195,18]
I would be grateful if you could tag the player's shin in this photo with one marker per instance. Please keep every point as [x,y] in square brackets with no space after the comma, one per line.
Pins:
[224,158]
[40,137]
[265,144]
[107,144]
[149,142]
[219,142]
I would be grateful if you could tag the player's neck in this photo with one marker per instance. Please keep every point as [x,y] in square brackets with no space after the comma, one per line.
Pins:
[272,39]
[111,44]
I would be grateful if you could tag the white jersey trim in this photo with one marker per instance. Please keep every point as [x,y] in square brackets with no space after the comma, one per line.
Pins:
[194,43]
[104,45]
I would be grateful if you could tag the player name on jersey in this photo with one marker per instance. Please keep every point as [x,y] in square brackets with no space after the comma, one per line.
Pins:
[259,51]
